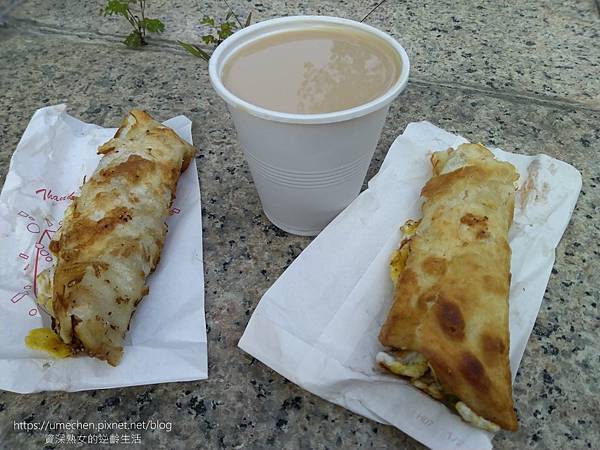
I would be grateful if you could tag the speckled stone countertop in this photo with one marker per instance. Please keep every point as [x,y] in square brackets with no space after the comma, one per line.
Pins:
[520,75]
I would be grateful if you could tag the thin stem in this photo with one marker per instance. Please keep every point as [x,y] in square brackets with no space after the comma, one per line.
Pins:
[136,24]
[234,14]
[143,28]
[131,19]
[373,10]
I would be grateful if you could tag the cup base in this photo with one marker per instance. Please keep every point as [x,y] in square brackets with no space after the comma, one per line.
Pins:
[290,229]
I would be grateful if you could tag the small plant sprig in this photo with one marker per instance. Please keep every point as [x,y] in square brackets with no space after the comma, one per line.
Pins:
[219,32]
[135,13]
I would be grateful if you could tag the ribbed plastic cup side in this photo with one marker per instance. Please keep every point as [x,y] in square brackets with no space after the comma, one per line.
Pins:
[306,174]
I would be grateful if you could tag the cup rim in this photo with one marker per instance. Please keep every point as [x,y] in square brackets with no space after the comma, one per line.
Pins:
[229,46]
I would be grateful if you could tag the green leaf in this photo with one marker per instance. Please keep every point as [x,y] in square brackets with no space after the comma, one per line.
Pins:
[206,20]
[208,39]
[153,25]
[195,50]
[225,30]
[248,20]
[118,7]
[134,40]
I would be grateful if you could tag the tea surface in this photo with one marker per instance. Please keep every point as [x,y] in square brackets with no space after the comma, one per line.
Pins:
[313,70]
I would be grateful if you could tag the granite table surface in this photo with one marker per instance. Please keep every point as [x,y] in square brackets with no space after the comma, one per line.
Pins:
[522,75]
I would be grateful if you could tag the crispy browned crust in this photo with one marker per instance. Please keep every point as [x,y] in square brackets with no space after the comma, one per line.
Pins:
[112,235]
[451,300]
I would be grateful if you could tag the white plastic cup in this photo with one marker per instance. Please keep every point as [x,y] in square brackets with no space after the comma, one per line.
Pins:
[306,167]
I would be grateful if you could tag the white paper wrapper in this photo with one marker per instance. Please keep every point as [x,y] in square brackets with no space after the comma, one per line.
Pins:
[167,339]
[318,324]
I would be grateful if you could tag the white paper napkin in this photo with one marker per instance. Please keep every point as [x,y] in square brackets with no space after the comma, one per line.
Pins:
[167,338]
[318,324]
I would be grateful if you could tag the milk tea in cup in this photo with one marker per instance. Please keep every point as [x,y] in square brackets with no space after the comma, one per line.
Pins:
[308,96]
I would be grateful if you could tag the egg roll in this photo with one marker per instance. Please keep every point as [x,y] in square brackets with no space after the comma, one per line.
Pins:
[447,329]
[111,237]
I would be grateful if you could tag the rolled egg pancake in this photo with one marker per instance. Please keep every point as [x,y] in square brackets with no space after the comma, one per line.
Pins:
[447,329]
[111,237]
